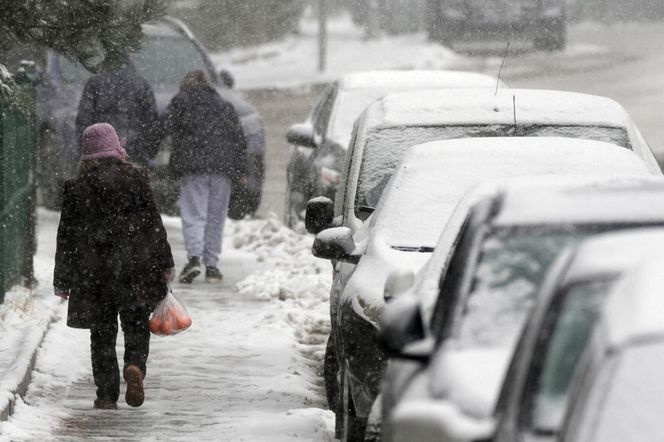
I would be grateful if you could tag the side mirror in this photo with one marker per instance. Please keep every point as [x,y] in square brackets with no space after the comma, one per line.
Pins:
[319,215]
[227,78]
[398,283]
[335,244]
[401,324]
[301,135]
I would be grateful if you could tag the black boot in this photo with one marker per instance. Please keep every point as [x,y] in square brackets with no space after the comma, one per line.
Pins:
[191,270]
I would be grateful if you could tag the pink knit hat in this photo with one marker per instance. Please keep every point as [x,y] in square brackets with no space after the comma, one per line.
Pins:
[101,141]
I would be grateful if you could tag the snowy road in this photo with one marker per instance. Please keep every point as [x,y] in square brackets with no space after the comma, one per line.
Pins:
[246,370]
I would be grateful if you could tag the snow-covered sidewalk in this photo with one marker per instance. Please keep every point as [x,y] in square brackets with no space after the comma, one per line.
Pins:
[246,370]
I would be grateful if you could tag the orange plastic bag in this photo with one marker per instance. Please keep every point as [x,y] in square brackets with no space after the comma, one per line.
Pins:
[170,317]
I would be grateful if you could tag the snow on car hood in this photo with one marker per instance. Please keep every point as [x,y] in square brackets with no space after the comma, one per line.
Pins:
[470,378]
[365,288]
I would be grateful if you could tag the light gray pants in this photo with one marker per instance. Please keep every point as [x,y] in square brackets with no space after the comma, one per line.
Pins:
[203,207]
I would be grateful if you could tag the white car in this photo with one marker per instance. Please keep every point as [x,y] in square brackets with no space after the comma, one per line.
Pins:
[618,391]
[487,290]
[396,122]
[320,142]
[403,231]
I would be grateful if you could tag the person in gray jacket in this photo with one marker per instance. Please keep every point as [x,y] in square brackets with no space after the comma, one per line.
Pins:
[209,154]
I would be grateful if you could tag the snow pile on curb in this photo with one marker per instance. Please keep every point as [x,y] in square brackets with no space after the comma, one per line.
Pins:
[297,280]
[24,319]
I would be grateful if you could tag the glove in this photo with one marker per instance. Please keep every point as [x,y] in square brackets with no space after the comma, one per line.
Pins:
[61,293]
[169,275]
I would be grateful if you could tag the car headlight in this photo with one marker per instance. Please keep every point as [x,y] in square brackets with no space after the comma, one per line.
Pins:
[330,177]
[364,392]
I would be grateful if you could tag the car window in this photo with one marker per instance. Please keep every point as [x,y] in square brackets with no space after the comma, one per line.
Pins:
[565,332]
[511,266]
[150,62]
[385,147]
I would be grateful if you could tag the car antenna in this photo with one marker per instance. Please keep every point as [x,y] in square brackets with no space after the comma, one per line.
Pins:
[500,72]
[514,107]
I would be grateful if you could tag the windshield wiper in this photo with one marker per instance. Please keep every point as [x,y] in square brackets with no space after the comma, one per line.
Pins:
[422,249]
[366,209]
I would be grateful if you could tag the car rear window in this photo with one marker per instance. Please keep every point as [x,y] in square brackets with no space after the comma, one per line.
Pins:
[163,60]
[385,147]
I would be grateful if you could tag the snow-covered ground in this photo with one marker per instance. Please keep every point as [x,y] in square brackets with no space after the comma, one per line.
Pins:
[247,369]
[293,61]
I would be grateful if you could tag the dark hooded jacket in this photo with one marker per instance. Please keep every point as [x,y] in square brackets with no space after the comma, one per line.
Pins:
[207,135]
[111,241]
[125,100]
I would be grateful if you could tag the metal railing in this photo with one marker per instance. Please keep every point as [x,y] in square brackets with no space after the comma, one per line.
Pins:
[18,159]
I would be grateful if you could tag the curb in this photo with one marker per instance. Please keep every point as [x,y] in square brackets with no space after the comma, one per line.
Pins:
[32,340]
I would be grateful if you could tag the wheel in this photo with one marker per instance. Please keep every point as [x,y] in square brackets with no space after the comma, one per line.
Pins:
[330,375]
[352,427]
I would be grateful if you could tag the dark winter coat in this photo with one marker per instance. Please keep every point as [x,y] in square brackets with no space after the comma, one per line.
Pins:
[125,100]
[207,135]
[111,241]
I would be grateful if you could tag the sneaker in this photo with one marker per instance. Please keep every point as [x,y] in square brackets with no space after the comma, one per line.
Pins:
[191,270]
[105,404]
[134,378]
[212,274]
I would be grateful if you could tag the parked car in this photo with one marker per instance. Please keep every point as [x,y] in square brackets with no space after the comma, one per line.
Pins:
[320,143]
[402,233]
[60,94]
[542,21]
[617,390]
[487,290]
[396,122]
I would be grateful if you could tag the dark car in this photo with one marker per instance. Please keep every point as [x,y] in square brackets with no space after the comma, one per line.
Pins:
[542,21]
[61,89]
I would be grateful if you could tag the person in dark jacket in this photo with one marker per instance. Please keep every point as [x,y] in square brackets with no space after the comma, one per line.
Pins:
[121,97]
[209,153]
[112,257]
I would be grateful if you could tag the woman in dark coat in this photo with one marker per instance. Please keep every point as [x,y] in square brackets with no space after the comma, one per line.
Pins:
[112,258]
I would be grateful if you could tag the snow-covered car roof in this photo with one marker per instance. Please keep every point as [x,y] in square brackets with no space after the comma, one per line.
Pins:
[482,106]
[432,178]
[638,201]
[635,308]
[611,253]
[358,90]
[414,79]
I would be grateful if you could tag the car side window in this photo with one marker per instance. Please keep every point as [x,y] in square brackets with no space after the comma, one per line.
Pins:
[323,111]
[565,333]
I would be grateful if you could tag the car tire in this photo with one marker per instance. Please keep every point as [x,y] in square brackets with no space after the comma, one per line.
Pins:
[352,427]
[330,375]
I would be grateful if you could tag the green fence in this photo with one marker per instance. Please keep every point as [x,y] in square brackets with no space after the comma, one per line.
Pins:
[18,154]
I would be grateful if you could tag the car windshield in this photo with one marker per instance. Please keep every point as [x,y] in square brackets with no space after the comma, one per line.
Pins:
[162,60]
[385,147]
[569,327]
[512,265]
